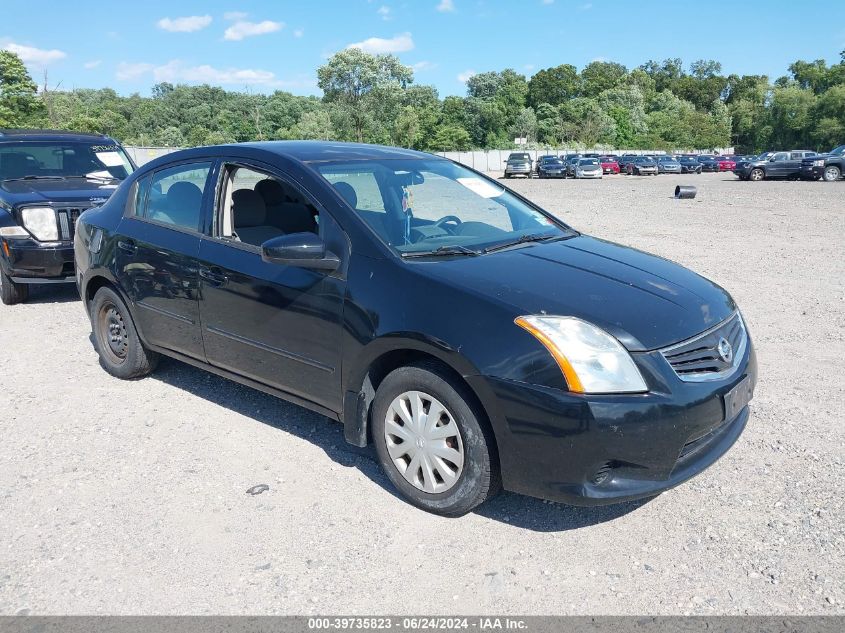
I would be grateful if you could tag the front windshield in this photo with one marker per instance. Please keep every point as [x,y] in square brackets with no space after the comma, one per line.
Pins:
[52,159]
[421,205]
[839,151]
[588,161]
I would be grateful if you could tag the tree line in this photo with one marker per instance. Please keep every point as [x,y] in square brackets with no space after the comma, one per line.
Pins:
[373,99]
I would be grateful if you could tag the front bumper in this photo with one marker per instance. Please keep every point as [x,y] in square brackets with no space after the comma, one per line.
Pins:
[811,172]
[556,445]
[552,174]
[30,261]
[518,171]
[588,174]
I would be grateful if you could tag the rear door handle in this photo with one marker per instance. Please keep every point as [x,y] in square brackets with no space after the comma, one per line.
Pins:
[127,245]
[213,276]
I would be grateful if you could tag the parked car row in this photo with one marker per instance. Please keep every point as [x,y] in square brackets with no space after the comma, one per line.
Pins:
[582,165]
[426,324]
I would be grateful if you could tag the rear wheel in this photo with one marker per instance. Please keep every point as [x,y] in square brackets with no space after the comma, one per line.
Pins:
[432,443]
[756,175]
[832,173]
[117,342]
[11,292]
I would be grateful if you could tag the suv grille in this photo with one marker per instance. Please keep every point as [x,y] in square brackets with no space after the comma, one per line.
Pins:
[712,355]
[66,217]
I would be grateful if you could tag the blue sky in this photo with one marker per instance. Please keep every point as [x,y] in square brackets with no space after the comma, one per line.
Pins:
[267,45]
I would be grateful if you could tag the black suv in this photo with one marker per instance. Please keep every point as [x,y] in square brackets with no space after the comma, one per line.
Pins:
[47,179]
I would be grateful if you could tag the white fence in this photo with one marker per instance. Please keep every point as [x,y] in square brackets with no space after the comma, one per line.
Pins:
[480,160]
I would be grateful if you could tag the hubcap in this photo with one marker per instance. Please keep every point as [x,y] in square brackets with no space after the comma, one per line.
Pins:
[113,332]
[424,442]
[832,173]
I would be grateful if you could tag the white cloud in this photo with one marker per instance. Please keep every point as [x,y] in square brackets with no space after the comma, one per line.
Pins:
[34,56]
[465,76]
[446,6]
[187,24]
[177,71]
[92,64]
[132,71]
[385,12]
[234,15]
[376,45]
[241,29]
[423,65]
[299,33]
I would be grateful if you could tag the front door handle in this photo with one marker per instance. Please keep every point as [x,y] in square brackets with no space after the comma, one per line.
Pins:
[127,245]
[213,276]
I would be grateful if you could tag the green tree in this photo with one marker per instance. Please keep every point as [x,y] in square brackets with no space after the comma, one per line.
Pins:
[451,138]
[553,85]
[600,76]
[350,76]
[19,102]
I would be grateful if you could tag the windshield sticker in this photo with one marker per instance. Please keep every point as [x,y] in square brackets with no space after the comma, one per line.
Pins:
[481,187]
[110,159]
[105,148]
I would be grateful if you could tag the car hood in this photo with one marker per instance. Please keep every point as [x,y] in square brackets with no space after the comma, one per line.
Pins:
[39,191]
[645,301]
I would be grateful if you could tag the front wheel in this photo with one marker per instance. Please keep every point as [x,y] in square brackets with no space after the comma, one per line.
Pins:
[756,175]
[12,292]
[432,443]
[117,342]
[832,173]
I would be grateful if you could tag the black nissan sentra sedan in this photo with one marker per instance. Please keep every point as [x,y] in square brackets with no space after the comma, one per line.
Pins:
[473,338]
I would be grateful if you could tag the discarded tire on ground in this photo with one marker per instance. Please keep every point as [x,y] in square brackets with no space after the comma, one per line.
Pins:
[684,192]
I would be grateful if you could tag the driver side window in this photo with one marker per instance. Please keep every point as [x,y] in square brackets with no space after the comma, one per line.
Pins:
[256,206]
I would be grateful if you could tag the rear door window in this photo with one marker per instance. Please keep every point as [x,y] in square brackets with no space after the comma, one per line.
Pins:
[175,195]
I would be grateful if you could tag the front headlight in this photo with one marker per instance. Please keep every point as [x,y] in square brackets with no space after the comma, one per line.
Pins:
[592,361]
[818,163]
[41,222]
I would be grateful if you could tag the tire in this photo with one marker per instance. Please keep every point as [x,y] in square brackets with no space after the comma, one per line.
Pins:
[462,485]
[832,173]
[116,339]
[757,175]
[11,292]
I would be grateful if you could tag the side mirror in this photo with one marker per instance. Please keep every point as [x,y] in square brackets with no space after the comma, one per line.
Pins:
[772,159]
[304,250]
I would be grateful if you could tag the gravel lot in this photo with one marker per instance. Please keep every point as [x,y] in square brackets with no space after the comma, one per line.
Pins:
[129,497]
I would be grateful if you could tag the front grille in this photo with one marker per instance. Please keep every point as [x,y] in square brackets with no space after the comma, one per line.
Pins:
[67,217]
[712,355]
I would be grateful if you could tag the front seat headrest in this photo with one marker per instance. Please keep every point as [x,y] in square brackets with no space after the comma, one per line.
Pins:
[272,191]
[184,200]
[248,208]
[347,192]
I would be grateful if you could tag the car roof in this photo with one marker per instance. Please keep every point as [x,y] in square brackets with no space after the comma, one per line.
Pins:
[48,135]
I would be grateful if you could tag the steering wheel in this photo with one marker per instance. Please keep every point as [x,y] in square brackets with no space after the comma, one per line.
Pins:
[447,218]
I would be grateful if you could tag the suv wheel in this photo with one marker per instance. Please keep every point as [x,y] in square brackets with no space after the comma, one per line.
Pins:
[756,175]
[432,444]
[11,292]
[832,173]
[121,352]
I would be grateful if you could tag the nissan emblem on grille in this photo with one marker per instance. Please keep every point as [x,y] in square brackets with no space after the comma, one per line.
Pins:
[726,352]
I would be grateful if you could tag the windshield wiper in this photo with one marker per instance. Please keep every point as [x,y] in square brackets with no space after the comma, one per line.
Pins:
[33,178]
[440,251]
[522,239]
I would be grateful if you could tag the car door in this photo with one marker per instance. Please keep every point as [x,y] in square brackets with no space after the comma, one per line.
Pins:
[156,255]
[276,324]
[778,165]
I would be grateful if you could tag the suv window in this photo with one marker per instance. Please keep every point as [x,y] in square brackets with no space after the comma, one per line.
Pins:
[175,195]
[257,206]
[780,156]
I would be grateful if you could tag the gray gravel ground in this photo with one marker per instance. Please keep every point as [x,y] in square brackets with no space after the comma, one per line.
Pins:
[129,497]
